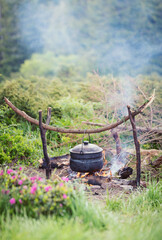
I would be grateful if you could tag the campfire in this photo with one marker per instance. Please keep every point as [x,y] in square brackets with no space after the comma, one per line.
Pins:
[95,183]
[105,175]
[105,172]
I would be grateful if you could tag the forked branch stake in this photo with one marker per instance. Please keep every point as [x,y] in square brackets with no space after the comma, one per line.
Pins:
[137,146]
[44,142]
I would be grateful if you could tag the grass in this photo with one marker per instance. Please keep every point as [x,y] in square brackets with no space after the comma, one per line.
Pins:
[138,217]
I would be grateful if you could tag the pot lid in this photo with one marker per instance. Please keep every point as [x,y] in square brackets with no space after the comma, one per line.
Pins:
[86,148]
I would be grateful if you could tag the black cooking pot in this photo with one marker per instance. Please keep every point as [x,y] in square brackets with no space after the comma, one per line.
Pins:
[86,157]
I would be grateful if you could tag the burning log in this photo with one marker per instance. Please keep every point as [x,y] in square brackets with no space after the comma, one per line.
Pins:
[94,181]
[98,180]
[95,178]
[125,172]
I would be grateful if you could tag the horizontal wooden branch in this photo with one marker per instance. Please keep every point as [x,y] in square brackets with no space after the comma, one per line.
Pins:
[80,131]
[128,128]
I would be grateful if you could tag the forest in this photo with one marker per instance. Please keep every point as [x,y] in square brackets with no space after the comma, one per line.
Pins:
[88,62]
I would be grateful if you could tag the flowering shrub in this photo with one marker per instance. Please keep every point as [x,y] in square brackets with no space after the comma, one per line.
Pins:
[35,196]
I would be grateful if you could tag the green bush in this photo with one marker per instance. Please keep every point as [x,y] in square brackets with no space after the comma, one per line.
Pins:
[49,65]
[74,108]
[15,146]
[7,115]
[16,92]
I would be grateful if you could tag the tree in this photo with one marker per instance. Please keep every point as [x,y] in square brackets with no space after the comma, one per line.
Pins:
[12,53]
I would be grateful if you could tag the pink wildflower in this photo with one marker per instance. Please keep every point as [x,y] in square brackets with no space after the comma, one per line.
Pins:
[12,201]
[65,179]
[47,188]
[61,205]
[20,168]
[20,201]
[20,182]
[61,184]
[40,179]
[64,196]
[33,178]
[3,191]
[25,187]
[33,189]
[13,177]
[9,171]
[1,172]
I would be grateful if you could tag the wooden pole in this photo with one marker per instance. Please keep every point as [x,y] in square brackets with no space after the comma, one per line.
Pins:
[137,146]
[44,143]
[48,117]
[117,141]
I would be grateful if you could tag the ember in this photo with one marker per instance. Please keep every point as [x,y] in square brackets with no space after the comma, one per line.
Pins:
[101,174]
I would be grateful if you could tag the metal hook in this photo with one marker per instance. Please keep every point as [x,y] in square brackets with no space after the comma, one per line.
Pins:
[81,152]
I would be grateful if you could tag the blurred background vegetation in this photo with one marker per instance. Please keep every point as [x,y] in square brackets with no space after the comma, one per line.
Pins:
[85,59]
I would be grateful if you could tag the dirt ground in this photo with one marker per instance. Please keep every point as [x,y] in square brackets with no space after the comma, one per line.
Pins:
[99,187]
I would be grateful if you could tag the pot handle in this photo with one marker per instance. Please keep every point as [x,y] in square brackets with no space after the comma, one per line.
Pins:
[81,151]
[89,138]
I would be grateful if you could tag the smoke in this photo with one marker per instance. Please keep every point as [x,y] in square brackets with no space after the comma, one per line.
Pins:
[118,162]
[121,36]
[47,27]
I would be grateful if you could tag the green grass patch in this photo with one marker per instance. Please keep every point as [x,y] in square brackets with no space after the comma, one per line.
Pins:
[138,217]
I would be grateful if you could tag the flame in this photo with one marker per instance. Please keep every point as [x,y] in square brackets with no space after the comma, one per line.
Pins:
[105,173]
[101,173]
[104,158]
[104,155]
[110,174]
[86,174]
[78,174]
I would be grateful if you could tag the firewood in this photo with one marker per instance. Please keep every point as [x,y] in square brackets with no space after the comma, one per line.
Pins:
[125,172]
[157,163]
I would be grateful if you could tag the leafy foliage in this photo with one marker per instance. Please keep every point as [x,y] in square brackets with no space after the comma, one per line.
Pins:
[48,65]
[20,194]
[15,146]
